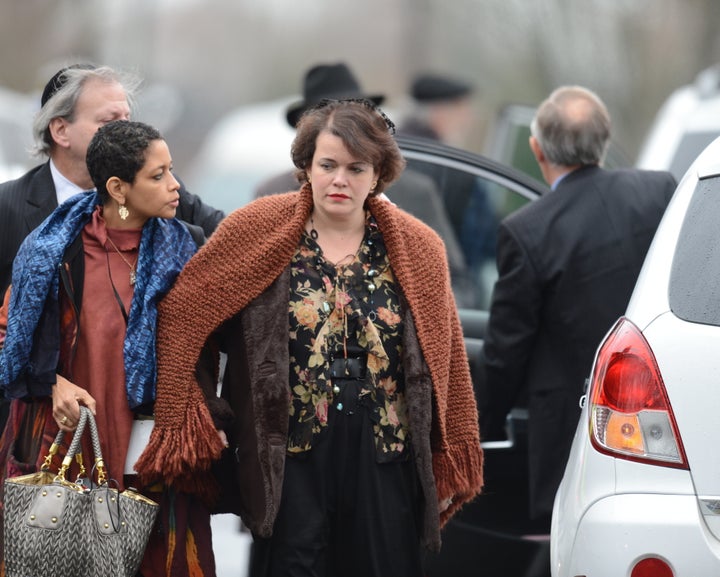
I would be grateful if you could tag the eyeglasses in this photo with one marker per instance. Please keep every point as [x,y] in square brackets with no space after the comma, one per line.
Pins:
[369,104]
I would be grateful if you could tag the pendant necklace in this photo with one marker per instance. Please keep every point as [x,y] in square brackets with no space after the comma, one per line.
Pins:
[133,275]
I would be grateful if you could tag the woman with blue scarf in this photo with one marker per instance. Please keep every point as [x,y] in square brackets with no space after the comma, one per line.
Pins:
[81,327]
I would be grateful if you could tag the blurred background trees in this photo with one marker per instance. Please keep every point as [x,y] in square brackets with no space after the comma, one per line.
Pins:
[202,58]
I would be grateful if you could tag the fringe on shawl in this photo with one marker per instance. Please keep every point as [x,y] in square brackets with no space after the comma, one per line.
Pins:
[181,457]
[458,476]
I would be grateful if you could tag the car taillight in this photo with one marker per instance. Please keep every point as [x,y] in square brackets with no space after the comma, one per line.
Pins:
[652,567]
[631,417]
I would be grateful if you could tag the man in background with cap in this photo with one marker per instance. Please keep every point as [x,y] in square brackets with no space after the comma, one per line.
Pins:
[74,104]
[442,109]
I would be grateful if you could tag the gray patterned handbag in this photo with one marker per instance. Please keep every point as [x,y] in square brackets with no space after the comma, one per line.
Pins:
[57,528]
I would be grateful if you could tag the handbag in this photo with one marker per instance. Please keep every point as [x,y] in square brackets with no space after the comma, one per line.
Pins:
[54,527]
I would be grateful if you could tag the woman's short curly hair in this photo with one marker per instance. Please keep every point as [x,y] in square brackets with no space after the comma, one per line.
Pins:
[364,129]
[119,148]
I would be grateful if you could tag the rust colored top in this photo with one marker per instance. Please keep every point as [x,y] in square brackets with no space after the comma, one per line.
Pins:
[98,361]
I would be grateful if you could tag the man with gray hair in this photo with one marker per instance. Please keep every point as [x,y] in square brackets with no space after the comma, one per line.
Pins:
[567,264]
[76,101]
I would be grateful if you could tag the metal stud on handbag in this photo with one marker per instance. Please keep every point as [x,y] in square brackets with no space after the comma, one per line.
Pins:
[56,528]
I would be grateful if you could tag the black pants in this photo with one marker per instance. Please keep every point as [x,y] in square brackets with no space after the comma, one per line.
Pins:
[343,514]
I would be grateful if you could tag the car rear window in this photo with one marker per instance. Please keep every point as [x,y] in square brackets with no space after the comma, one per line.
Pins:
[695,274]
[688,149]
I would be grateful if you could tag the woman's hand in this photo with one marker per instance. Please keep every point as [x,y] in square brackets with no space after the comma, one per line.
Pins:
[223,438]
[444,504]
[67,398]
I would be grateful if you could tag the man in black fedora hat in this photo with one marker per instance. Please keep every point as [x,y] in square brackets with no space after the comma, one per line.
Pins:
[414,192]
[333,81]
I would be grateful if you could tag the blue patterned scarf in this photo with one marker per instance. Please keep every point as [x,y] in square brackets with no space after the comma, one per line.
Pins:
[165,247]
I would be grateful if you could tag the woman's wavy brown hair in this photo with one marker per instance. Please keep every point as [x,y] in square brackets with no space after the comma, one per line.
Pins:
[364,129]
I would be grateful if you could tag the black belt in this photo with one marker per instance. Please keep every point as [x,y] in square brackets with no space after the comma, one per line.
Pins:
[349,368]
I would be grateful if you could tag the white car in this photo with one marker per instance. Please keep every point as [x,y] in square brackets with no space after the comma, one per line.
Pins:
[687,122]
[16,114]
[641,491]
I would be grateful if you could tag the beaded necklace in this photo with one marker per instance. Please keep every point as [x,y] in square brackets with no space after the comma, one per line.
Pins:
[344,280]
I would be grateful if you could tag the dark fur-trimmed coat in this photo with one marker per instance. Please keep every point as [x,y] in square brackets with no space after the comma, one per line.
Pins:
[238,284]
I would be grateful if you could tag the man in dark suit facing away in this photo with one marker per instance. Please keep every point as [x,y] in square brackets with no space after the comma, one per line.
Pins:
[74,104]
[567,264]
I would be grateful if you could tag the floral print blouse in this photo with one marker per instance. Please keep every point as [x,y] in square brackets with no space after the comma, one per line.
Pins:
[352,309]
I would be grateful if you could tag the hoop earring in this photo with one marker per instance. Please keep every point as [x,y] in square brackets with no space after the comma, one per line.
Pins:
[123,212]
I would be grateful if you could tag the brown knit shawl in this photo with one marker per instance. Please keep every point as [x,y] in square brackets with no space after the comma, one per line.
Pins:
[247,252]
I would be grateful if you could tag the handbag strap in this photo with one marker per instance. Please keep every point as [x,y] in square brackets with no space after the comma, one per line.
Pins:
[74,449]
[97,451]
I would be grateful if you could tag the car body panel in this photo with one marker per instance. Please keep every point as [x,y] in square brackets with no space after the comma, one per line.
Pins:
[693,395]
[634,509]
[614,532]
[592,482]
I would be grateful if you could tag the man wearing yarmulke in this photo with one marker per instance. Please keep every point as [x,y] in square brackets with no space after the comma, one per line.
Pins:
[76,101]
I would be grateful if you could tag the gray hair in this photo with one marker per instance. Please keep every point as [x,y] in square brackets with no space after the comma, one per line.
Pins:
[63,102]
[572,126]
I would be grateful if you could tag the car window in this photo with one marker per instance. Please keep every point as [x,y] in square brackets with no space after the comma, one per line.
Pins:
[472,195]
[508,142]
[690,146]
[695,274]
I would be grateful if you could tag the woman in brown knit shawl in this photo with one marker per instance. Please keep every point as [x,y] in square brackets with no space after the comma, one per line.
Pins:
[346,398]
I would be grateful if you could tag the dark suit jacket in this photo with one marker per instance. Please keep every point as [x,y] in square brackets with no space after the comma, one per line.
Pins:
[27,201]
[567,266]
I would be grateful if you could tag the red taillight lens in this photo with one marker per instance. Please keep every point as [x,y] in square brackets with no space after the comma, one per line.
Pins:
[631,416]
[629,384]
[652,567]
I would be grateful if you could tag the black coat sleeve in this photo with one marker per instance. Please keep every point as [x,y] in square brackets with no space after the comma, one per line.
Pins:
[194,211]
[511,332]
